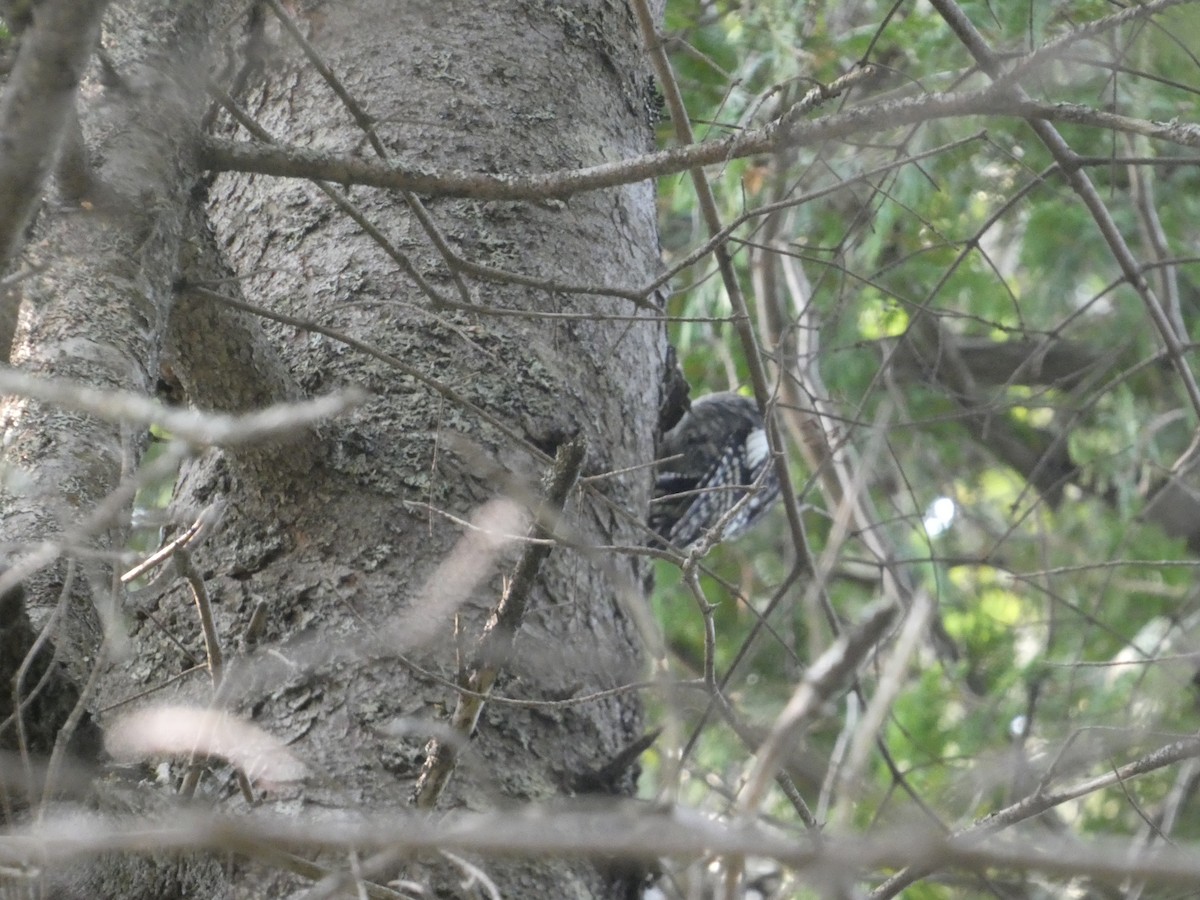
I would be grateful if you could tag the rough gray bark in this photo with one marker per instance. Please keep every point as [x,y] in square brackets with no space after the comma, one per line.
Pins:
[93,301]
[333,534]
[39,104]
[89,300]
[477,87]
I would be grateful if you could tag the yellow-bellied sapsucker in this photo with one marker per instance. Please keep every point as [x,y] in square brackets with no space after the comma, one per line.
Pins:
[711,459]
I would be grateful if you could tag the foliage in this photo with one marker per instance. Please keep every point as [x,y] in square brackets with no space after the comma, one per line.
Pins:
[1069,606]
[947,244]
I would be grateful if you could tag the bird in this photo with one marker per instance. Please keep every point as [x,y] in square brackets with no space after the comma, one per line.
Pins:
[715,456]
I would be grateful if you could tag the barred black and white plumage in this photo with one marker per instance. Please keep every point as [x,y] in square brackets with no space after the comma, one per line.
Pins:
[722,450]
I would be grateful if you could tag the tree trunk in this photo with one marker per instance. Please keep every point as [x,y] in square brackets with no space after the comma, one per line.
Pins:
[338,534]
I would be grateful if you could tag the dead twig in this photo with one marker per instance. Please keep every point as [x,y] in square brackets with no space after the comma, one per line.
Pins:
[495,644]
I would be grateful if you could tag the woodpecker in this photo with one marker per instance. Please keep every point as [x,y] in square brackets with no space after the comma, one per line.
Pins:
[710,460]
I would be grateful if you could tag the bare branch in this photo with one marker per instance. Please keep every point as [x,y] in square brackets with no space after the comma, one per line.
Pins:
[624,830]
[222,154]
[1083,186]
[827,674]
[494,646]
[204,429]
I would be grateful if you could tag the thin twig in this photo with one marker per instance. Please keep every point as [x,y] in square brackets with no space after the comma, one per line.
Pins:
[208,519]
[1043,800]
[216,429]
[495,644]
[1079,181]
[830,672]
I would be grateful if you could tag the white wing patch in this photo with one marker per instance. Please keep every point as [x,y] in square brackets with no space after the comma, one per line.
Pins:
[757,449]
